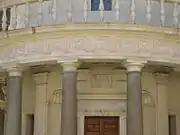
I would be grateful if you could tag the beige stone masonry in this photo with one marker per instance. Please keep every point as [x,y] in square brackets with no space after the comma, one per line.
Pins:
[162,104]
[41,80]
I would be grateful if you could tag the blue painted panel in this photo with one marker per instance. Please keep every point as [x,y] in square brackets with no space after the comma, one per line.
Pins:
[95,5]
[107,5]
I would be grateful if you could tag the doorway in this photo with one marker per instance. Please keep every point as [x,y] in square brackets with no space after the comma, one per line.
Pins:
[172,124]
[30,124]
[97,125]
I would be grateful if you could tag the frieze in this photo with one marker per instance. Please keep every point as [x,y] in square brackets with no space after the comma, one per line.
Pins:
[82,46]
[99,112]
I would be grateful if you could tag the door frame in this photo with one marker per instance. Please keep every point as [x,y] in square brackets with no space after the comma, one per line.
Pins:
[177,120]
[103,113]
[116,118]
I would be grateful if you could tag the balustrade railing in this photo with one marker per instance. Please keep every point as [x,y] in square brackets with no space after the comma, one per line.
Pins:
[34,14]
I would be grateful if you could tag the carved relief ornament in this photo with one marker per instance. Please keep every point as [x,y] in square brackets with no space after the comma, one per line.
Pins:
[91,46]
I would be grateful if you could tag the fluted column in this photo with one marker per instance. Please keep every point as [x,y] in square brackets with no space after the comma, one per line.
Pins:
[69,99]
[14,95]
[40,121]
[134,100]
[162,104]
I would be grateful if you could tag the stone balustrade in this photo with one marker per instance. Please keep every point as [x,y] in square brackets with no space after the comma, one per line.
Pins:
[27,13]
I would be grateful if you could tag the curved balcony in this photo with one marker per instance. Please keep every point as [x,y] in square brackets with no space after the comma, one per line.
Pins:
[18,14]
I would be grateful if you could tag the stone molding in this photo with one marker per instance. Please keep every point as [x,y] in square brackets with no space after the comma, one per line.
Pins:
[100,112]
[116,27]
[133,65]
[56,97]
[141,47]
[147,98]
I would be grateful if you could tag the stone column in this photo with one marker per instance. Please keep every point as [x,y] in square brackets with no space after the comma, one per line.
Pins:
[69,99]
[40,119]
[134,100]
[14,95]
[162,104]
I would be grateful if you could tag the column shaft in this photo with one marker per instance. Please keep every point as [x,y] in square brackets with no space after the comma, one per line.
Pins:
[134,98]
[134,104]
[69,104]
[13,124]
[162,104]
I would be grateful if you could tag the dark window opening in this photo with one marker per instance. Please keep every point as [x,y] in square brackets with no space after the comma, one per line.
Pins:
[30,124]
[95,5]
[172,125]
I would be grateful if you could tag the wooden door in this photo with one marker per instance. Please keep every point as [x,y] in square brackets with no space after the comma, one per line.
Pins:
[101,125]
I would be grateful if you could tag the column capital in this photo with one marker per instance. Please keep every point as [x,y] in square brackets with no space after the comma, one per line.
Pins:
[161,78]
[41,78]
[132,65]
[15,71]
[69,66]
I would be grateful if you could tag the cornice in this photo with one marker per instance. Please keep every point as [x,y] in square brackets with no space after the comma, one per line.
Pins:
[95,41]
[54,31]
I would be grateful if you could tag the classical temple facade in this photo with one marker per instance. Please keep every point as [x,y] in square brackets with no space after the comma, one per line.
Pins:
[89,67]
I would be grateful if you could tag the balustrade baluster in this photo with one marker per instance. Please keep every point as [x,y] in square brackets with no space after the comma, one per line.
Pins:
[54,11]
[148,9]
[101,8]
[85,10]
[27,15]
[4,19]
[40,12]
[133,13]
[175,14]
[13,21]
[162,12]
[69,14]
[117,10]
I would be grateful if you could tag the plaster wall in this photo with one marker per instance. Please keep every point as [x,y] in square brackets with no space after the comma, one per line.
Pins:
[101,91]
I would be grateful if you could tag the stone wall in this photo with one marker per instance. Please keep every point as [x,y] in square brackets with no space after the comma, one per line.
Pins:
[101,91]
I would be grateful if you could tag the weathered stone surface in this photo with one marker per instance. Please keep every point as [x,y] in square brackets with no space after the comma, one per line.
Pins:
[91,46]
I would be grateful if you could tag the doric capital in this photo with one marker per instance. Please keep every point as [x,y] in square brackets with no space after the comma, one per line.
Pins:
[70,66]
[161,78]
[15,71]
[41,78]
[162,74]
[132,65]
